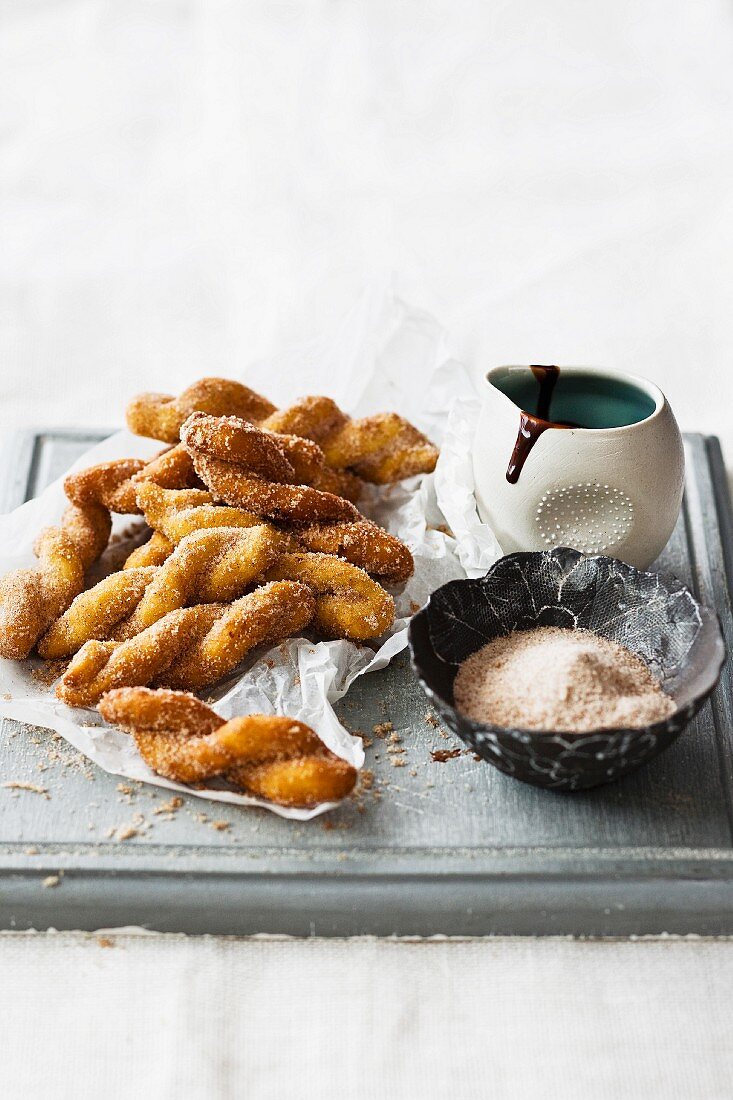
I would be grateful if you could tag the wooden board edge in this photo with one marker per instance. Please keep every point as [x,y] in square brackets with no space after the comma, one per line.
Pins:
[353,906]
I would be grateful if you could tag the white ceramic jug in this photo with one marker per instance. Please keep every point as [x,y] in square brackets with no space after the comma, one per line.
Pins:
[613,486]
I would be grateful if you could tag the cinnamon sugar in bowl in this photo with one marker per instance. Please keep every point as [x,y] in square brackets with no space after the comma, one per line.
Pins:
[634,655]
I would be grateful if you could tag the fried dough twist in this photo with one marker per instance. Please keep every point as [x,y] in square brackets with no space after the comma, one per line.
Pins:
[349,604]
[160,415]
[190,648]
[173,514]
[114,484]
[30,599]
[382,448]
[209,566]
[276,758]
[251,469]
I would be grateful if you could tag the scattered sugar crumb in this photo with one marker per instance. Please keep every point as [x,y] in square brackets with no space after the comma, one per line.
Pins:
[221,826]
[170,806]
[105,941]
[126,832]
[20,785]
[48,672]
[382,729]
[50,881]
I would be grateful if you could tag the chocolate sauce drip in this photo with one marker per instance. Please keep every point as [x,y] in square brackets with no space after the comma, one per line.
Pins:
[547,380]
[532,425]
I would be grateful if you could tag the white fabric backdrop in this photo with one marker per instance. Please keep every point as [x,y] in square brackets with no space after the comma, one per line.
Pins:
[191,184]
[363,1019]
[186,185]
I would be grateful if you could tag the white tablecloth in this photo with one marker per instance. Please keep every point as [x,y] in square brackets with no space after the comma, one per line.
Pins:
[129,1017]
[188,185]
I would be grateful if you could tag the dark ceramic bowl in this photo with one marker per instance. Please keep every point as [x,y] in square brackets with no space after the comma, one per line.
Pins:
[654,617]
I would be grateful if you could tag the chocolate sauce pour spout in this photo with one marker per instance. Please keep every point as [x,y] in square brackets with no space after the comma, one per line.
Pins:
[531,426]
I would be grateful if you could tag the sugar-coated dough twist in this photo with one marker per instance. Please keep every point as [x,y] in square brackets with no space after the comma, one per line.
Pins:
[173,514]
[96,612]
[31,599]
[160,415]
[362,543]
[190,648]
[209,566]
[251,469]
[381,448]
[349,604]
[153,552]
[276,758]
[114,484]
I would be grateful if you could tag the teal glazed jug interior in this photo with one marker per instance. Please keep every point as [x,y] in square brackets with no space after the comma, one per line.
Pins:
[571,456]
[591,400]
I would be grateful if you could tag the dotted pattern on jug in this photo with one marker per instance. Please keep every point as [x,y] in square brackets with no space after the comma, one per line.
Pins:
[589,517]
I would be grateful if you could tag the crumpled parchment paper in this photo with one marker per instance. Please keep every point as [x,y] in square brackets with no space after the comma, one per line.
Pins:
[384,356]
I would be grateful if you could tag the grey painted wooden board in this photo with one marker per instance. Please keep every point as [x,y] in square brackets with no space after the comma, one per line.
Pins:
[454,848]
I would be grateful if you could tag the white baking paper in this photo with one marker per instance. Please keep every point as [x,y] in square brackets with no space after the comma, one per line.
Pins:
[384,356]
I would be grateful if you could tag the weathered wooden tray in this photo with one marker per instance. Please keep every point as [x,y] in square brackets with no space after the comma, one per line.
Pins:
[451,847]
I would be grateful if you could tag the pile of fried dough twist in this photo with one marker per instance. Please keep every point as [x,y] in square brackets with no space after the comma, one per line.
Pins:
[254,536]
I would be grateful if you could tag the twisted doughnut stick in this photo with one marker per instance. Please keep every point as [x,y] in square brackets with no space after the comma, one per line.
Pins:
[114,484]
[175,513]
[276,758]
[153,552]
[382,448]
[190,648]
[160,416]
[96,612]
[349,604]
[210,566]
[309,465]
[251,469]
[30,599]
[362,543]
